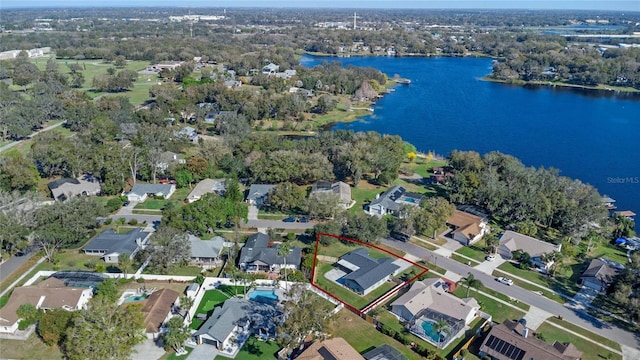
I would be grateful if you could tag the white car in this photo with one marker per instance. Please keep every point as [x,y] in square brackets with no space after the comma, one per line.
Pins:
[505,280]
[490,257]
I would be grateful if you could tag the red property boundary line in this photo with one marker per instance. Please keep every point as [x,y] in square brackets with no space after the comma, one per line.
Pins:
[380,299]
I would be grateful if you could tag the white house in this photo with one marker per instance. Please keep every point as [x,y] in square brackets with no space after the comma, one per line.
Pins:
[392,200]
[140,192]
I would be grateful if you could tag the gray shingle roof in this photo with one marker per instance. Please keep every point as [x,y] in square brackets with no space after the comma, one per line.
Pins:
[257,191]
[237,312]
[109,241]
[257,249]
[142,189]
[393,198]
[206,248]
[370,270]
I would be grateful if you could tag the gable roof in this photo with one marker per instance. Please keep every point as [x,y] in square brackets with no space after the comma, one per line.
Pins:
[466,224]
[257,249]
[109,241]
[513,241]
[343,190]
[366,270]
[236,311]
[601,271]
[65,188]
[505,342]
[206,186]
[429,294]
[257,191]
[331,349]
[50,294]
[143,189]
[206,248]
[157,307]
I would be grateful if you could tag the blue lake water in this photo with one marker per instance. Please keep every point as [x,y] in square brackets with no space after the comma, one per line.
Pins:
[590,135]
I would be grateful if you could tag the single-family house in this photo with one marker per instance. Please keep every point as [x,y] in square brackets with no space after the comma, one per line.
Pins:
[206,253]
[259,194]
[511,241]
[214,116]
[188,133]
[110,245]
[192,290]
[512,340]
[237,317]
[46,295]
[340,189]
[330,349]
[467,228]
[627,214]
[206,186]
[66,188]
[232,83]
[270,69]
[364,273]
[599,274]
[158,309]
[259,253]
[140,192]
[608,202]
[439,175]
[432,294]
[168,159]
[392,200]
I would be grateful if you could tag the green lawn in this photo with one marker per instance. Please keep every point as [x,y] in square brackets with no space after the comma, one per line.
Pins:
[255,349]
[590,351]
[610,252]
[32,348]
[362,335]
[210,300]
[463,260]
[499,311]
[363,194]
[564,282]
[476,251]
[575,328]
[345,294]
[171,355]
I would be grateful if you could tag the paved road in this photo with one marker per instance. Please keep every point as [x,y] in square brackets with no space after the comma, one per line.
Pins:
[12,264]
[279,224]
[575,316]
[15,143]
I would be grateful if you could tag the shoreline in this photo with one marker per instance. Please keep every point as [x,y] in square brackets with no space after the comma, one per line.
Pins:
[613,90]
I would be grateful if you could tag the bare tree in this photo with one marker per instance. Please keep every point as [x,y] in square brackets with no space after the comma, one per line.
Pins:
[49,246]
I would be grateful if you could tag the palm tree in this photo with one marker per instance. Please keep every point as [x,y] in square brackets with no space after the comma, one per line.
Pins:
[470,282]
[283,250]
[492,242]
[186,303]
[125,263]
[441,327]
[176,334]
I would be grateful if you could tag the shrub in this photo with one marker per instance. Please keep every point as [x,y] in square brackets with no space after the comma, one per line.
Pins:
[108,221]
[133,222]
[140,280]
[113,204]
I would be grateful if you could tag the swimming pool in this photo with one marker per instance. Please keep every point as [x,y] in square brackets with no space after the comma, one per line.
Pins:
[263,295]
[135,298]
[428,327]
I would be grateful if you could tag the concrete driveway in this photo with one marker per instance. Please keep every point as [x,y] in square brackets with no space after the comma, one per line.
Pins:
[203,352]
[147,350]
[487,267]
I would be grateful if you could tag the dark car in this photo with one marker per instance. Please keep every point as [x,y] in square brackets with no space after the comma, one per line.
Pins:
[304,219]
[126,203]
[400,236]
[289,219]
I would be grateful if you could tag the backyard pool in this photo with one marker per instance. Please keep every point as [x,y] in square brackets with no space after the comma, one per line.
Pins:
[135,298]
[268,296]
[430,331]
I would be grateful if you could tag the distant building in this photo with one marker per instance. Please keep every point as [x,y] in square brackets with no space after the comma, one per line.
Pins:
[204,187]
[392,200]
[270,69]
[340,189]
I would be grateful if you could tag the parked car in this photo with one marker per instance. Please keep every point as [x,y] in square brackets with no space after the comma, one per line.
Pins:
[304,219]
[289,219]
[490,257]
[400,236]
[505,280]
[126,203]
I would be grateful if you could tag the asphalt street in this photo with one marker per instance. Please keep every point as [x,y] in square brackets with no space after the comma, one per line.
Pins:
[578,317]
[12,264]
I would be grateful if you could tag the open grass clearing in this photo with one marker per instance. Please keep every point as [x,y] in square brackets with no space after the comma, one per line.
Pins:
[362,335]
[499,311]
[32,348]
[610,252]
[590,350]
[210,300]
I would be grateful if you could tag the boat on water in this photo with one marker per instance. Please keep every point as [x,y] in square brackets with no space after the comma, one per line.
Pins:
[403,81]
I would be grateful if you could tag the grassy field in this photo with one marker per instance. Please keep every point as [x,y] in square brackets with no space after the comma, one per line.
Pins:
[590,351]
[362,335]
[499,311]
[255,349]
[32,348]
[610,252]
[211,299]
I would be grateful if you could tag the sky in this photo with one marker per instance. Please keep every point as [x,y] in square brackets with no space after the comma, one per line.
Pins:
[624,5]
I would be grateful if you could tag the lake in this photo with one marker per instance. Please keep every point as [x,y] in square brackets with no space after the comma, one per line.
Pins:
[590,135]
